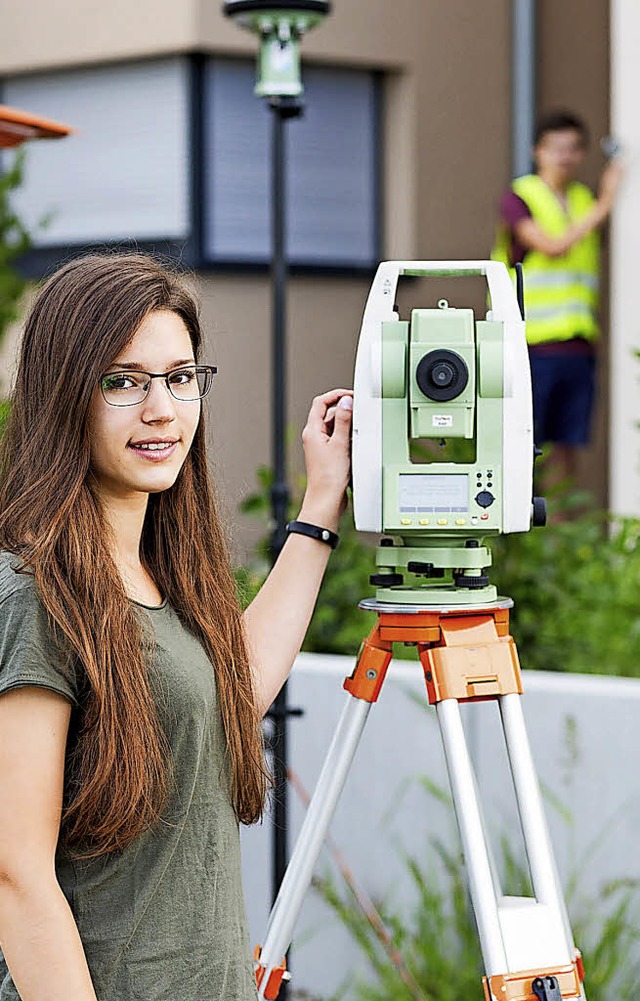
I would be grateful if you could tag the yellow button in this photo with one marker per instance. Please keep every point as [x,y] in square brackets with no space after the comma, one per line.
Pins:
[405,521]
[461,521]
[443,521]
[424,521]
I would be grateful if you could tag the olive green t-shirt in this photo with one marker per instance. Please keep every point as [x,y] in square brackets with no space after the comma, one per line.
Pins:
[163,920]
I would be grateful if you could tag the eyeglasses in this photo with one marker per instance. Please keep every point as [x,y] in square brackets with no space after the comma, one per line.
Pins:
[187,384]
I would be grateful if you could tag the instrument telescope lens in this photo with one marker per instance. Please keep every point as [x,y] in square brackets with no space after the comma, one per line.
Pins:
[442,375]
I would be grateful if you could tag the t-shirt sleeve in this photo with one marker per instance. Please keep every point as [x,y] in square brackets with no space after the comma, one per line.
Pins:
[513,209]
[29,654]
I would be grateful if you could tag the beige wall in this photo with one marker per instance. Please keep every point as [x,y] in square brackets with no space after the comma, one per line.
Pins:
[573,72]
[446,159]
[624,449]
[323,327]
[41,34]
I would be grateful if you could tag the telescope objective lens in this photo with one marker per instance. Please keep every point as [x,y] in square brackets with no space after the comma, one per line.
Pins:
[442,375]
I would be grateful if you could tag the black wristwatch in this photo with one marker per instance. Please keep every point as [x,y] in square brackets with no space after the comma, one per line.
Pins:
[314,532]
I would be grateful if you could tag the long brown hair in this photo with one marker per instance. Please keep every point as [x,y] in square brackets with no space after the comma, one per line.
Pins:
[50,516]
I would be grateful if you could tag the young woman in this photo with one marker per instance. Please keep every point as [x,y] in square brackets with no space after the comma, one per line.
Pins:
[131,687]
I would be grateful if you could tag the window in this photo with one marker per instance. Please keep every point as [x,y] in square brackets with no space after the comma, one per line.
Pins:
[162,154]
[123,174]
[332,196]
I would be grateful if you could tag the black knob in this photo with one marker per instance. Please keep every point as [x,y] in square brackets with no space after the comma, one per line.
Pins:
[471,544]
[386,542]
[539,517]
[484,498]
[461,580]
[386,579]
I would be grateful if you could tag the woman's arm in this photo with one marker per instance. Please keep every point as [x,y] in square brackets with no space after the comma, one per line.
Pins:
[277,619]
[38,934]
[531,236]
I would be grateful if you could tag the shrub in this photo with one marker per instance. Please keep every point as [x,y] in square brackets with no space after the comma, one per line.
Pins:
[430,951]
[337,626]
[15,240]
[576,587]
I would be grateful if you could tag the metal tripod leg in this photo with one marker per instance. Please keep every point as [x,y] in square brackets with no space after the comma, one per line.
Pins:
[474,846]
[516,934]
[544,873]
[526,942]
[321,809]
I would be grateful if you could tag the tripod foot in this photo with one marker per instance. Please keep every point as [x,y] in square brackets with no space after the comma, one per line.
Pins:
[277,975]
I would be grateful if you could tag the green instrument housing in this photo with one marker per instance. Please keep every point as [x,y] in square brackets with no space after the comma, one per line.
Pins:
[441,458]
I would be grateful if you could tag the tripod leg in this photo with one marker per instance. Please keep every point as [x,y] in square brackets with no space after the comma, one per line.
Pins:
[300,869]
[526,941]
[478,862]
[544,876]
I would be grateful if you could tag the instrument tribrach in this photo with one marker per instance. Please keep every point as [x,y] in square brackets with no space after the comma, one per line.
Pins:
[443,457]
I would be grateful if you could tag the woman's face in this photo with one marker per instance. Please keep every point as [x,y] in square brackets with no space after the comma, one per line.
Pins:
[140,449]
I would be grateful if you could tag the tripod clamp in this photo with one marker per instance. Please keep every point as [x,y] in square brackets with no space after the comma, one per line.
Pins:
[546,989]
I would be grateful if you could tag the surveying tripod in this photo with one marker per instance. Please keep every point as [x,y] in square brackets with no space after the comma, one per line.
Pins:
[467,655]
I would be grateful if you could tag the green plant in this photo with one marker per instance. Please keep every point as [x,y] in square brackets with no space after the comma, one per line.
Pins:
[436,940]
[576,587]
[338,626]
[438,956]
[15,240]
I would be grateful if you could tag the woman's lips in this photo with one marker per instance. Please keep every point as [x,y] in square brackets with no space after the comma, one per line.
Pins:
[158,453]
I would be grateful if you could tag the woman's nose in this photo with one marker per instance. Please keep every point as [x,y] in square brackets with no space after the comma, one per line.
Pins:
[159,404]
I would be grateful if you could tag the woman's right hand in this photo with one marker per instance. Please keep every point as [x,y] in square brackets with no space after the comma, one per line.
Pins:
[610,181]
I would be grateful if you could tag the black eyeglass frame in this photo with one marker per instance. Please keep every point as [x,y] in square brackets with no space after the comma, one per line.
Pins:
[210,371]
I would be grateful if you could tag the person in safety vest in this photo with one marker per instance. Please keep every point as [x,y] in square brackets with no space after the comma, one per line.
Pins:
[549,223]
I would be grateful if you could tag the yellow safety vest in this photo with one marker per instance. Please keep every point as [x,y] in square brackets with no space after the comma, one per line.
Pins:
[560,293]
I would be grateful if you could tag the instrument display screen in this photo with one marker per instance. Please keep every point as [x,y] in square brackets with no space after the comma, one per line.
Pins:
[421,493]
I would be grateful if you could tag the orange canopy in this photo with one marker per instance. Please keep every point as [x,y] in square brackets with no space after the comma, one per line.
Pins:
[18,126]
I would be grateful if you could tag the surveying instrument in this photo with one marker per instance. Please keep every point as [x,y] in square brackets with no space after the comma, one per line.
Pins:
[442,459]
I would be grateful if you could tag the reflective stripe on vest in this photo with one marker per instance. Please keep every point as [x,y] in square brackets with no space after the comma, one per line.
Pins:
[561,293]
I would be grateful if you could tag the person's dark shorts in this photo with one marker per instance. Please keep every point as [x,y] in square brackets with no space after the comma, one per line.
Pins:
[563,395]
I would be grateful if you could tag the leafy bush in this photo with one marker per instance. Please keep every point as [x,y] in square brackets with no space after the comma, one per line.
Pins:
[338,625]
[576,587]
[431,952]
[15,240]
[437,955]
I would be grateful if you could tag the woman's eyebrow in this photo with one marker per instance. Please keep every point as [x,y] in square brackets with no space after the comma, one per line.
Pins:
[136,366]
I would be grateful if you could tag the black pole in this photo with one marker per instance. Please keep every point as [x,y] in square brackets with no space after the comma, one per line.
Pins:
[279,489]
[282,109]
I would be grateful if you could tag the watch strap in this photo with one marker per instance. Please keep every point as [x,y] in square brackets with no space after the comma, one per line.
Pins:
[314,532]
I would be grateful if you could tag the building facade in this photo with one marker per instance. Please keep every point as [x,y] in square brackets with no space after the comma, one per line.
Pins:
[403,152]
